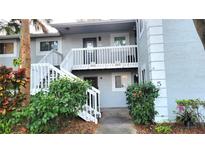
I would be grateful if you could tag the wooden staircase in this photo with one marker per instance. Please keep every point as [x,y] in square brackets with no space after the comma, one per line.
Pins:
[46,71]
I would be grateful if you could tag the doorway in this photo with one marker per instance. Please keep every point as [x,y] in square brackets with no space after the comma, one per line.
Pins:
[90,55]
[92,80]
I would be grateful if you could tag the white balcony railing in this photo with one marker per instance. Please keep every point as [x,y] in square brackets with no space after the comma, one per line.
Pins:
[104,57]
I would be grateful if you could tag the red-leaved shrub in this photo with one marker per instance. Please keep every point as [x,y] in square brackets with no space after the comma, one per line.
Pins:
[11,83]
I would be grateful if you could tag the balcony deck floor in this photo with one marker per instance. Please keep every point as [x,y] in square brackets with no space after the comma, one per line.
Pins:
[104,66]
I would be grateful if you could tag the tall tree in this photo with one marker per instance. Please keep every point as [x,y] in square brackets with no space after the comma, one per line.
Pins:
[200,27]
[23,26]
[25,55]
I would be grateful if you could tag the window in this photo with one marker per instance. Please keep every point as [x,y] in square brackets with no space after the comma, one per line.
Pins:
[119,41]
[7,48]
[120,81]
[48,45]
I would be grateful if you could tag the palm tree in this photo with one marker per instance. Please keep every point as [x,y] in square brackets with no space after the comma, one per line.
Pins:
[23,26]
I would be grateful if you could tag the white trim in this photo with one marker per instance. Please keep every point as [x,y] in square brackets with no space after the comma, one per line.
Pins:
[128,74]
[39,53]
[113,35]
[138,27]
[14,51]
[157,68]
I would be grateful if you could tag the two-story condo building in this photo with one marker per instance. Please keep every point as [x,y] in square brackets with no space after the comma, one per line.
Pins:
[113,54]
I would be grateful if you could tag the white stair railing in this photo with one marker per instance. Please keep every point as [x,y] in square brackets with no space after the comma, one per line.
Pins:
[53,57]
[66,67]
[42,74]
[67,62]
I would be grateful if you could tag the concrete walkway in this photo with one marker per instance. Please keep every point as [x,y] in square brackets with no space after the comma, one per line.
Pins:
[115,121]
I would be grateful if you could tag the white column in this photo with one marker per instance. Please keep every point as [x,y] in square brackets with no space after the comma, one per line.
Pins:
[157,66]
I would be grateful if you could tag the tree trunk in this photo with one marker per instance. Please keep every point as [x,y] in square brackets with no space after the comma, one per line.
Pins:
[200,28]
[26,56]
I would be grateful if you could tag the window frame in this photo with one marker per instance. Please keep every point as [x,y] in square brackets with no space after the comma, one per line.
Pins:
[14,54]
[113,35]
[49,45]
[121,74]
[42,53]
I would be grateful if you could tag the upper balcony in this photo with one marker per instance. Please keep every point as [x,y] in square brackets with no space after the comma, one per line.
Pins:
[111,57]
[104,57]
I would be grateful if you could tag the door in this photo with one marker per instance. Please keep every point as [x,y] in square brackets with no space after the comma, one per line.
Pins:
[93,81]
[90,55]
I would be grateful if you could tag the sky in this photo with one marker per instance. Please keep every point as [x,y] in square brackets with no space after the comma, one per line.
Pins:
[53,30]
[50,29]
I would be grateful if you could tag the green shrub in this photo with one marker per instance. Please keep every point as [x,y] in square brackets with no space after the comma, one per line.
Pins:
[5,126]
[70,94]
[163,129]
[140,100]
[65,98]
[46,109]
[188,111]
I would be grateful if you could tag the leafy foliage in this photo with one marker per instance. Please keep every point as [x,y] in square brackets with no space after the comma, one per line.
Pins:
[140,99]
[11,83]
[163,129]
[71,94]
[17,62]
[11,27]
[188,111]
[65,98]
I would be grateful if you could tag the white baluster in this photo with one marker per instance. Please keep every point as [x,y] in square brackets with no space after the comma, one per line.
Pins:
[95,105]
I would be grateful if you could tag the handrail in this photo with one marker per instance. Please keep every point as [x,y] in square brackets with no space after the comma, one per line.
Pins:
[67,62]
[50,58]
[42,74]
[106,47]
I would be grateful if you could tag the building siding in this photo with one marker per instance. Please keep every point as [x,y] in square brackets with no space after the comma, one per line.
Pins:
[184,62]
[76,40]
[143,54]
[108,97]
[68,42]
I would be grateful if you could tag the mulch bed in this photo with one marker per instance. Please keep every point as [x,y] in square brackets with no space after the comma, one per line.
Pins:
[77,126]
[67,126]
[176,129]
